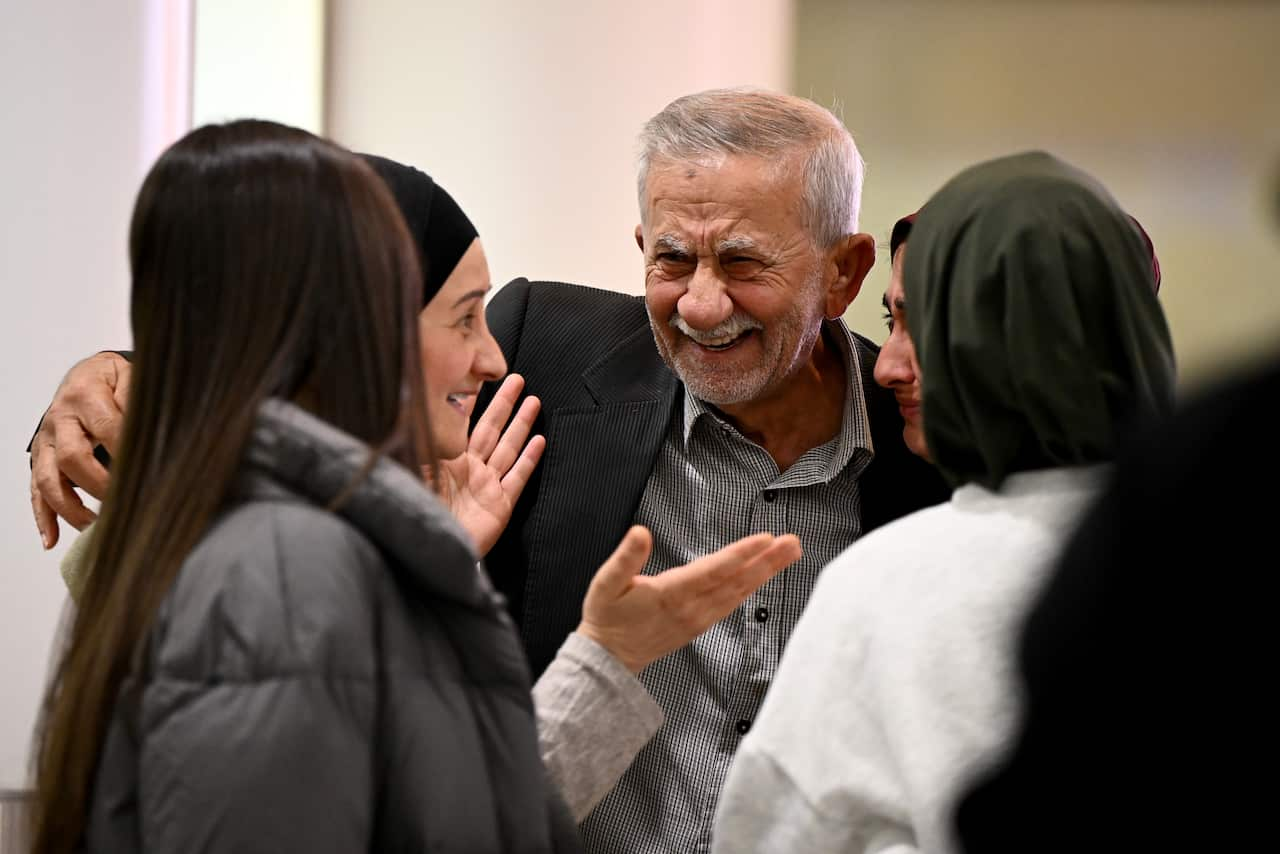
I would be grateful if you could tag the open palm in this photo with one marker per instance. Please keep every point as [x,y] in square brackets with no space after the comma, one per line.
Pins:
[481,486]
[640,618]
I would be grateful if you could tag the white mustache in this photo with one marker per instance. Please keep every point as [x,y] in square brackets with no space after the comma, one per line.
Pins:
[729,328]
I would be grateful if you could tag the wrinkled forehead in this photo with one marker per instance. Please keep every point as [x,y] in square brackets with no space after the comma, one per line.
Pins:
[725,177]
[736,201]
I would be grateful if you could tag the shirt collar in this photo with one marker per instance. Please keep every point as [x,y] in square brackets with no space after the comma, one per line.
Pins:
[855,431]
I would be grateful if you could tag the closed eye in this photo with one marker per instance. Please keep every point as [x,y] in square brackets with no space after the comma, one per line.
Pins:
[741,266]
[674,263]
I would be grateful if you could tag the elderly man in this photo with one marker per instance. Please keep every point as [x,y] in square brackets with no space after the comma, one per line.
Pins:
[730,400]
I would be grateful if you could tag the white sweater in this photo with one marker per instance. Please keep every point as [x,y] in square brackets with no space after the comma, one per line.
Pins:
[899,684]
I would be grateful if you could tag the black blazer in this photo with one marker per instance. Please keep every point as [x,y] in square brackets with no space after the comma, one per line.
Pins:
[607,398]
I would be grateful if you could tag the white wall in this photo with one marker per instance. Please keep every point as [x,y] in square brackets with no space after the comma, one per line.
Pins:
[78,128]
[527,112]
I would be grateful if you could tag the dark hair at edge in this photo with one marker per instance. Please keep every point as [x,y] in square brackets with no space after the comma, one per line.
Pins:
[266,262]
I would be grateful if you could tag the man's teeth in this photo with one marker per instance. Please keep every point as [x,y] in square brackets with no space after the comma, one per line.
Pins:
[720,342]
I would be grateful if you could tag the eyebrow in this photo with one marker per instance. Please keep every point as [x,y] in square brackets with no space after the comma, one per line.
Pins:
[478,293]
[671,243]
[900,304]
[735,244]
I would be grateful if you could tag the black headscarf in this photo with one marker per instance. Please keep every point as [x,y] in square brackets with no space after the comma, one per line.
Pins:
[440,229]
[1029,294]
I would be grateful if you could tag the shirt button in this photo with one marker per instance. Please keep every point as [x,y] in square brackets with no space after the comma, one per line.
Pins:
[762,614]
[769,495]
[742,726]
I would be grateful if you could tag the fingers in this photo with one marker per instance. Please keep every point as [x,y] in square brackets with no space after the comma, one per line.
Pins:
[488,430]
[56,492]
[726,577]
[72,453]
[94,395]
[515,480]
[783,552]
[102,420]
[87,409]
[46,519]
[615,575]
[720,567]
[514,438]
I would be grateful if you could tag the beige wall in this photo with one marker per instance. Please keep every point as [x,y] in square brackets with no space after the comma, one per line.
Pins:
[1174,105]
[528,112]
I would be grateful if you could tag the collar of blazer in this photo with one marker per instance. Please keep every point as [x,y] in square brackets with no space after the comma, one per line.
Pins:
[632,371]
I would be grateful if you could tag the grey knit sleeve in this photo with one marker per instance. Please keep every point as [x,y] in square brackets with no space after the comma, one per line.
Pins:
[594,716]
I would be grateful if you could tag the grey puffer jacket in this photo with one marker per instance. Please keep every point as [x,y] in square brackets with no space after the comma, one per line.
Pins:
[327,682]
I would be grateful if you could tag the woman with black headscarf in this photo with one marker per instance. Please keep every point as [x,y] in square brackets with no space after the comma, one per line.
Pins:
[593,715]
[1030,300]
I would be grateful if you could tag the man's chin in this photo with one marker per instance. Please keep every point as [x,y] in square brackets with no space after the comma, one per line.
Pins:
[720,390]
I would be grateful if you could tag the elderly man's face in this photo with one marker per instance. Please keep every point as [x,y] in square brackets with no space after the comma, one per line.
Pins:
[735,289]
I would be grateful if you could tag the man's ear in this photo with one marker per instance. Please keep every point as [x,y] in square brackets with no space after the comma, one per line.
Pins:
[640,237]
[853,257]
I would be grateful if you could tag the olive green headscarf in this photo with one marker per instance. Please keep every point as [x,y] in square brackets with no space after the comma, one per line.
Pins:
[1031,302]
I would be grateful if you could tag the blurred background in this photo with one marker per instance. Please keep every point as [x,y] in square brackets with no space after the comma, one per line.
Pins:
[527,112]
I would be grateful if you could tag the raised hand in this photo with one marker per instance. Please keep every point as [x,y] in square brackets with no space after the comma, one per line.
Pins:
[481,486]
[87,410]
[641,618]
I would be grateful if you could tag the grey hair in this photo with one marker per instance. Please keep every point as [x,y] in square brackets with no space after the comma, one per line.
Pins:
[709,125]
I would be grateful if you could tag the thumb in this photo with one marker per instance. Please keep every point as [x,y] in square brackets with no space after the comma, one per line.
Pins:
[626,561]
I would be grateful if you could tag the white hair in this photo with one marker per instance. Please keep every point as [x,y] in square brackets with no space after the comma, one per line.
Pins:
[718,122]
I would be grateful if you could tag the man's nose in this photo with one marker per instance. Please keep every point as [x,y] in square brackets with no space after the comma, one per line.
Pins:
[705,303]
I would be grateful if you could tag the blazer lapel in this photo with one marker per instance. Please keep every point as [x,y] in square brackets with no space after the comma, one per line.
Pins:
[599,456]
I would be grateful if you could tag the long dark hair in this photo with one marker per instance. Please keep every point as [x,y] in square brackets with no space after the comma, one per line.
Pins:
[266,262]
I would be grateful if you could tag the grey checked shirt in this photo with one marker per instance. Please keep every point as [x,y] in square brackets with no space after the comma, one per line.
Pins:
[710,486]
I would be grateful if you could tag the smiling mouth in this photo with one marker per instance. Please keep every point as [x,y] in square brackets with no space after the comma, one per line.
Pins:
[458,400]
[719,345]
